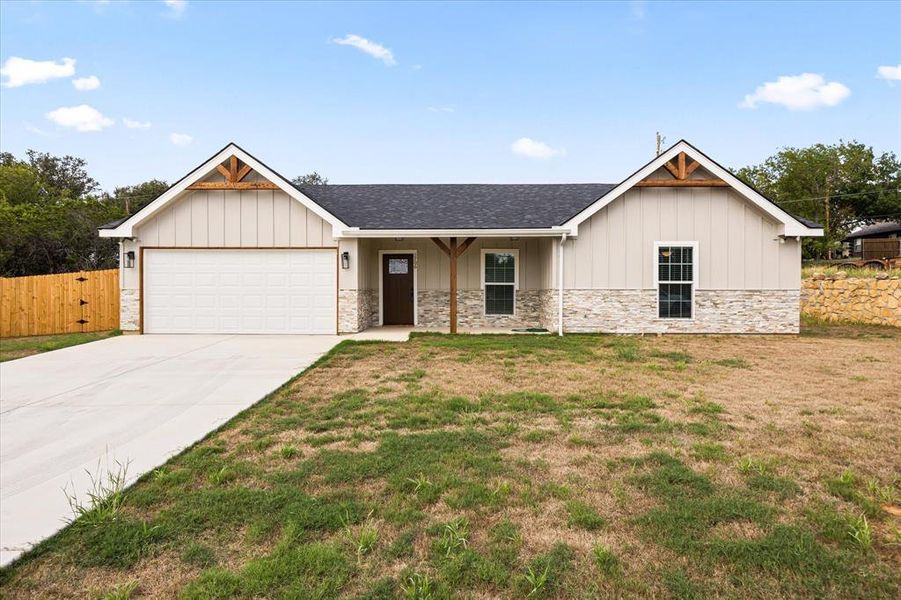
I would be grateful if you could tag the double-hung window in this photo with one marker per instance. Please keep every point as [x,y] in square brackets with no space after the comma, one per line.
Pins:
[676,265]
[499,279]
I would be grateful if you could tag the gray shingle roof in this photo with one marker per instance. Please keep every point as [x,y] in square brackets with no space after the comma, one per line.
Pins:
[885,227]
[456,206]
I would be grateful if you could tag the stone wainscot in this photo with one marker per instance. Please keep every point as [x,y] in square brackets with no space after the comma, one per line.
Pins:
[840,298]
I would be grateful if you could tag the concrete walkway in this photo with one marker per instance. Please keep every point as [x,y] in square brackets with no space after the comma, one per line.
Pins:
[133,399]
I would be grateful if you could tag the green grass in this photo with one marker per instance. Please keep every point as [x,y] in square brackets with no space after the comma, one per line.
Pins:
[19,347]
[582,516]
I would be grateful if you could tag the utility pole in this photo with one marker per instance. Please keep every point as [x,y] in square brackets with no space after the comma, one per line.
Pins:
[660,141]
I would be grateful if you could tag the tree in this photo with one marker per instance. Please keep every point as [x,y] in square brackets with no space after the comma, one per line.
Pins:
[313,178]
[49,220]
[133,198]
[841,186]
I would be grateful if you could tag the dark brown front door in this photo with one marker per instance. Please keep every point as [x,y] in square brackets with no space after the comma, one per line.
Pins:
[397,289]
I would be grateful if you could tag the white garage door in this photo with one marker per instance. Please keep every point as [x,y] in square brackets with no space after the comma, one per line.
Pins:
[240,291]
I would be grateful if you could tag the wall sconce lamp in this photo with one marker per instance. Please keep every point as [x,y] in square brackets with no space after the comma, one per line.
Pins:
[345,260]
[130,259]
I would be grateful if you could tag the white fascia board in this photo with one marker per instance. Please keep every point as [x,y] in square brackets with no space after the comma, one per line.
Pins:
[790,226]
[441,233]
[126,229]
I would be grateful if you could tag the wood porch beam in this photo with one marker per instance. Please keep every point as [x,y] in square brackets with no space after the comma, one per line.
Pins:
[682,183]
[681,159]
[224,171]
[669,166]
[453,284]
[441,245]
[233,168]
[462,247]
[229,185]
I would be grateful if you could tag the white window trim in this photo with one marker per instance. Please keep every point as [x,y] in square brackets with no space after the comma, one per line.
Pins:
[694,277]
[515,284]
[382,253]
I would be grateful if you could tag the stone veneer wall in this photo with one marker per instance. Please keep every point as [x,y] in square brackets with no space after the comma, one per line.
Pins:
[357,310]
[434,310]
[715,311]
[875,301]
[129,310]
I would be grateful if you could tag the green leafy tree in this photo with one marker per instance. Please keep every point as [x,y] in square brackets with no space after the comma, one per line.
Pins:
[313,178]
[840,186]
[133,198]
[49,220]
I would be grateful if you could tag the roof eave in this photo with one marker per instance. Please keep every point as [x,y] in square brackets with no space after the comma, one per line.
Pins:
[354,232]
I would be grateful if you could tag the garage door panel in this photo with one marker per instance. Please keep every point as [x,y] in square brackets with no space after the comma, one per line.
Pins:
[240,291]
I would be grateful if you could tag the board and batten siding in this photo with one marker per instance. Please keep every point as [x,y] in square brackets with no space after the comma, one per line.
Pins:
[236,219]
[739,246]
[433,266]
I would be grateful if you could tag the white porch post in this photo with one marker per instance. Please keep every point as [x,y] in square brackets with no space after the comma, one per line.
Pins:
[560,285]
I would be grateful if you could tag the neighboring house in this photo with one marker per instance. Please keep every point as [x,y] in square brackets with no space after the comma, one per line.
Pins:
[680,246]
[879,240]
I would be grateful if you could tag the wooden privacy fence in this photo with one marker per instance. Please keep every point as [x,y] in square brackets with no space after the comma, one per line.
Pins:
[880,248]
[64,303]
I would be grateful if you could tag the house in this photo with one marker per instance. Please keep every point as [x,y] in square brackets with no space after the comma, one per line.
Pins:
[680,246]
[876,241]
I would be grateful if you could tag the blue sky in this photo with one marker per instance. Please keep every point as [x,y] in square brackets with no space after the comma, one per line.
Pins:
[442,92]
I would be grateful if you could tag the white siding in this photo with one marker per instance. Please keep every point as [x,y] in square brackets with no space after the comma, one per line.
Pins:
[738,244]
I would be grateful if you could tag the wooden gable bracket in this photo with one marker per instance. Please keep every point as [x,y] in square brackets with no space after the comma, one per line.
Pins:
[681,171]
[234,179]
[453,252]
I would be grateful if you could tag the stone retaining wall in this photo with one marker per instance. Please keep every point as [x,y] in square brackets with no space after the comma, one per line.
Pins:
[838,298]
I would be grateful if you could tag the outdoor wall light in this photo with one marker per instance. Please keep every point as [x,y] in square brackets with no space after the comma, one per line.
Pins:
[345,260]
[130,259]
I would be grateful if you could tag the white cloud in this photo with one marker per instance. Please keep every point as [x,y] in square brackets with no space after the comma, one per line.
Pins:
[80,118]
[889,72]
[180,139]
[373,49]
[534,149]
[130,124]
[441,109]
[86,83]
[798,92]
[176,7]
[22,71]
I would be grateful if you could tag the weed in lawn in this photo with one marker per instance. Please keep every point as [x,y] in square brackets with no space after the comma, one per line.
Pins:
[548,568]
[754,466]
[105,498]
[120,592]
[221,476]
[418,587]
[708,451]
[288,451]
[537,581]
[582,516]
[845,487]
[365,539]
[884,494]
[860,531]
[454,536]
[199,555]
[607,562]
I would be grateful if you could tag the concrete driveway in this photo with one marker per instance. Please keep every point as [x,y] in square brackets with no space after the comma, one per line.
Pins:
[135,399]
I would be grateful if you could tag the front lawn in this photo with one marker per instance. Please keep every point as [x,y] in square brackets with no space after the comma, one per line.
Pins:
[20,347]
[524,466]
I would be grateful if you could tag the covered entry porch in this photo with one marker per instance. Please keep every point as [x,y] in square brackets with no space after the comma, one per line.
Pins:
[501,283]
